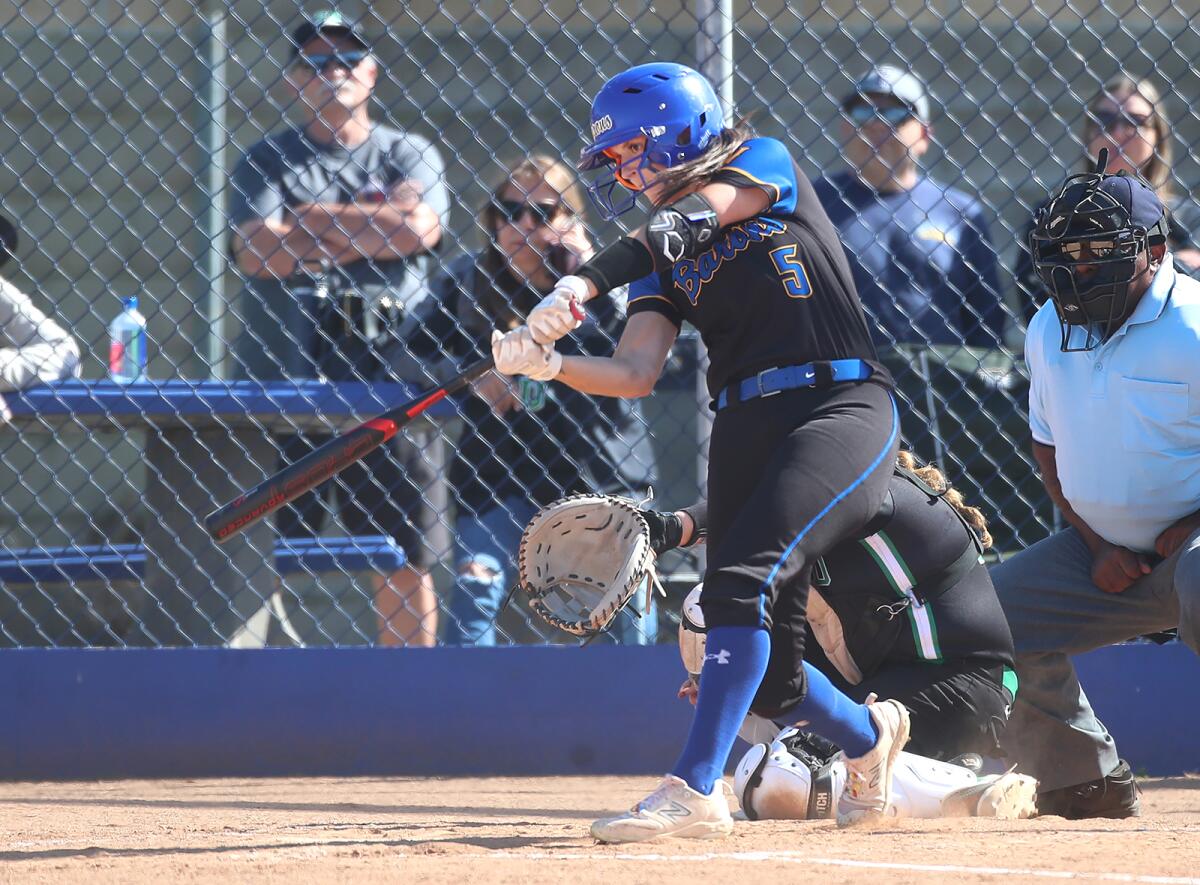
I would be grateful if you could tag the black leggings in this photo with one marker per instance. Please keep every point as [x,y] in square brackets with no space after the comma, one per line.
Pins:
[956,707]
[789,477]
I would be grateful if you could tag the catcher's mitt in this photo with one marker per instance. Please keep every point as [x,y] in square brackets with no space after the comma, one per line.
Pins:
[582,559]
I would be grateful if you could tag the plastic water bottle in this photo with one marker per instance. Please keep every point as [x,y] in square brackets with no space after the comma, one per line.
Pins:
[127,344]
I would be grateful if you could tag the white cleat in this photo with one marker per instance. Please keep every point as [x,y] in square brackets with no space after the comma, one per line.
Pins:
[868,794]
[673,810]
[1008,796]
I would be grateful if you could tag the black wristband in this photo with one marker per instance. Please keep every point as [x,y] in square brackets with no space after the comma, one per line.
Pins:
[666,530]
[623,262]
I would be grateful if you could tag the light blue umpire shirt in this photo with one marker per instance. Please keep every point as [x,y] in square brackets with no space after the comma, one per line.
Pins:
[1124,418]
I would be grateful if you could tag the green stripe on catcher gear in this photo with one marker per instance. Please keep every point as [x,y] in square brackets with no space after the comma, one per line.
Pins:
[583,558]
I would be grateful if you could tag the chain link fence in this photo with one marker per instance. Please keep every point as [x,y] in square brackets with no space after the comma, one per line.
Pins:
[158,149]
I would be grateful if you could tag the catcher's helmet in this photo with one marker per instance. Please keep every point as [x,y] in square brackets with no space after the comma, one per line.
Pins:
[793,778]
[1085,244]
[673,106]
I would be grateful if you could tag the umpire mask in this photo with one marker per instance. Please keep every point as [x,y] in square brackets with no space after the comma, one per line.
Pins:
[1086,243]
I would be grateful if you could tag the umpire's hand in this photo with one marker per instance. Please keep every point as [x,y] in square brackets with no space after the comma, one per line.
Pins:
[1115,568]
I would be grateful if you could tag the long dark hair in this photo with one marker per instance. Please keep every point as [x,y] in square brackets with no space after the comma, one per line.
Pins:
[699,172]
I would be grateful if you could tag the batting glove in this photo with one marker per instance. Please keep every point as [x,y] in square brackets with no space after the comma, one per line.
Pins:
[558,313]
[516,353]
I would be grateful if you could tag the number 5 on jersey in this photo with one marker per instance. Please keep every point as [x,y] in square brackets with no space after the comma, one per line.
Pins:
[791,271]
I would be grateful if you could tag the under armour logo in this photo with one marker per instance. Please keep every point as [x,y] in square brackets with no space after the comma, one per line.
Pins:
[721,657]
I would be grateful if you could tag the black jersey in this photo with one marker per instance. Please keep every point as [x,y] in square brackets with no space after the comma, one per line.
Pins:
[775,290]
[877,583]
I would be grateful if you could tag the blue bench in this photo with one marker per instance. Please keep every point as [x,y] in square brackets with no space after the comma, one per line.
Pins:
[127,562]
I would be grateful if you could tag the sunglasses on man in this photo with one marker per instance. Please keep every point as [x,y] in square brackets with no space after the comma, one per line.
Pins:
[1113,118]
[862,114]
[349,59]
[542,213]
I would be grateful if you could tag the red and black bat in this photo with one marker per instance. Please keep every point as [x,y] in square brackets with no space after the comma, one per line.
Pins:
[321,464]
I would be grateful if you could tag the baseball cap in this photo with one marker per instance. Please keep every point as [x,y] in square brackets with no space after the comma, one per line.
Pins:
[1133,195]
[331,23]
[890,80]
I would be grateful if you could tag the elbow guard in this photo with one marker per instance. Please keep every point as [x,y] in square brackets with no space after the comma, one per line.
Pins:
[682,230]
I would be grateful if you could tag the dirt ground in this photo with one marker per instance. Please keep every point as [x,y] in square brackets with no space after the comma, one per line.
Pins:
[527,830]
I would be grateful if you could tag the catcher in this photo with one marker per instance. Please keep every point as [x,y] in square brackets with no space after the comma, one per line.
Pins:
[906,610]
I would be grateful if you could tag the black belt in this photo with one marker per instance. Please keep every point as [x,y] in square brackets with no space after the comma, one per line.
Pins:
[768,382]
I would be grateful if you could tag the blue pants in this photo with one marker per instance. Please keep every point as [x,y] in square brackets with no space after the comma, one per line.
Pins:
[486,546]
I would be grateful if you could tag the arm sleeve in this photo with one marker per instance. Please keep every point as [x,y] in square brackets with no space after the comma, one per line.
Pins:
[979,283]
[1039,427]
[699,514]
[37,349]
[764,163]
[257,191]
[646,295]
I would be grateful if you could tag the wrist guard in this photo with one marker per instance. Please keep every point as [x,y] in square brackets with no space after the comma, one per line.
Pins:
[623,262]
[666,530]
[681,230]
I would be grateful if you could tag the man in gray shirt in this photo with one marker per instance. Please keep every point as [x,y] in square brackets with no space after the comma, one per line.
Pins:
[333,221]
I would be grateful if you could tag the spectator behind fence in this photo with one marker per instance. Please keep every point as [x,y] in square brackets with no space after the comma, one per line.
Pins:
[920,251]
[1129,119]
[926,271]
[33,348]
[331,220]
[525,442]
[1112,413]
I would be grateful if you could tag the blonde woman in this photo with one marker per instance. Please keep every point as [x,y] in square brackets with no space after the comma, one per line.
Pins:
[525,444]
[1127,117]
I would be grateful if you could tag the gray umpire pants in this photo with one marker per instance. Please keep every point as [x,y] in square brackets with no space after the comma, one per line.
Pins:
[1055,611]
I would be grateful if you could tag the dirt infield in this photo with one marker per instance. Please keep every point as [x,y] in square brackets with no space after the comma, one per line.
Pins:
[525,830]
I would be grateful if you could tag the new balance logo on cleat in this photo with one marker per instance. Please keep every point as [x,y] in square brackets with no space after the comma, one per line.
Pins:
[721,657]
[673,810]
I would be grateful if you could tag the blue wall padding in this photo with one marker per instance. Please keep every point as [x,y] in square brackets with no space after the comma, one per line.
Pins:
[100,713]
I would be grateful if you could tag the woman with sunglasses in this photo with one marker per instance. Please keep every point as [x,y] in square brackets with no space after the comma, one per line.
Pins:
[805,432]
[1127,118]
[524,443]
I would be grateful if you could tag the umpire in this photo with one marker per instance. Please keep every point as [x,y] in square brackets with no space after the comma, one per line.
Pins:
[1114,395]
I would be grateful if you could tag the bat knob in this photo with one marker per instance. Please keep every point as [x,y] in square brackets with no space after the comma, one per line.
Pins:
[577,311]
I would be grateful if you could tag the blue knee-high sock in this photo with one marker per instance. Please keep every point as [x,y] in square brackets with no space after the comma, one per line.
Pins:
[832,715]
[734,664]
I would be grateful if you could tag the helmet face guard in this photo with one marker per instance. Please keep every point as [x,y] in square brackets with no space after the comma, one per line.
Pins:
[672,106]
[1085,247]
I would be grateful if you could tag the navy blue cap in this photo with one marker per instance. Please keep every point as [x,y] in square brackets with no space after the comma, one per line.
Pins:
[891,80]
[1139,199]
[333,24]
[1083,214]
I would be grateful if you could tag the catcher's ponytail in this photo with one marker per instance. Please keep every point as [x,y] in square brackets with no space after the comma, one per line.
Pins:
[936,480]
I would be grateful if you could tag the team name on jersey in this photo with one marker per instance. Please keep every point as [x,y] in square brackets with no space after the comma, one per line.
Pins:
[691,274]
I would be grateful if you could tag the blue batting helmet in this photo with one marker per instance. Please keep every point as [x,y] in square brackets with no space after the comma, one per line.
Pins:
[673,106]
